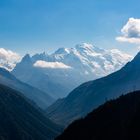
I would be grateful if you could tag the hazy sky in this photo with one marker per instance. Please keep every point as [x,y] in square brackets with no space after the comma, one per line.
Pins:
[28,26]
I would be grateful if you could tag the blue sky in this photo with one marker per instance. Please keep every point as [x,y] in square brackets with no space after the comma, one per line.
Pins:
[29,26]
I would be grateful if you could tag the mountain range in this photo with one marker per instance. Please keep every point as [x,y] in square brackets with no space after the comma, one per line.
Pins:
[90,95]
[22,120]
[34,98]
[115,120]
[65,69]
[42,99]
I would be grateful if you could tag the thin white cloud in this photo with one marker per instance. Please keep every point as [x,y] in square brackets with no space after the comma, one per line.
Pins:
[8,58]
[130,32]
[52,65]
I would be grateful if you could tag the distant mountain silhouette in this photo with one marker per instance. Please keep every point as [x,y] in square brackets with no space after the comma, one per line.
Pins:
[39,97]
[90,95]
[21,120]
[115,120]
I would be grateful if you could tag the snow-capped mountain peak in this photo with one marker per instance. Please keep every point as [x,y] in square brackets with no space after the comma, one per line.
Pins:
[86,57]
[84,46]
[40,56]
[63,51]
[66,68]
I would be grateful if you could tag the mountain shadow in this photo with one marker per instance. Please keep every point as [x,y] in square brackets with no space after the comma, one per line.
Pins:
[90,95]
[115,120]
[41,98]
[21,120]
